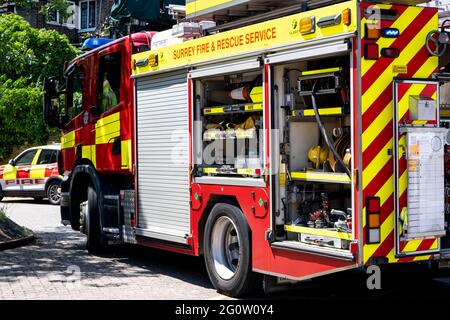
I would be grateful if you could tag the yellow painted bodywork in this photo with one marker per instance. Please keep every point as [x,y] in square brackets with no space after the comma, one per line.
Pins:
[319,232]
[107,128]
[260,37]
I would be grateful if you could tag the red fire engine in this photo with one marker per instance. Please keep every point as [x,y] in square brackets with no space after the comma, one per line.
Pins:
[302,141]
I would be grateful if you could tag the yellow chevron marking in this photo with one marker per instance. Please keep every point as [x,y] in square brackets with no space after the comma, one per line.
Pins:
[401,24]
[422,258]
[376,164]
[385,79]
[386,229]
[373,130]
[411,246]
[386,115]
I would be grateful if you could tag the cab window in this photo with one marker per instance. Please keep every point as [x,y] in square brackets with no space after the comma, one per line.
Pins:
[47,156]
[25,158]
[75,93]
[109,81]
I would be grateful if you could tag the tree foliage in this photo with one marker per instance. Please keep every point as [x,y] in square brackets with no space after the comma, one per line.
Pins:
[27,56]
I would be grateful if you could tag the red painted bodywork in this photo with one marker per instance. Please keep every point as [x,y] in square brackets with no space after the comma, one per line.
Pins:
[106,162]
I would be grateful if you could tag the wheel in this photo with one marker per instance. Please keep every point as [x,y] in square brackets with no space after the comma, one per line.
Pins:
[53,192]
[91,220]
[227,251]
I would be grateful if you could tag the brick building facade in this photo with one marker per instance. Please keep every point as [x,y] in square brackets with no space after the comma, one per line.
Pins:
[85,17]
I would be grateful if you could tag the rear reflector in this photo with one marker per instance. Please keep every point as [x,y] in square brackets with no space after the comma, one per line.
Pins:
[371,51]
[373,220]
[373,204]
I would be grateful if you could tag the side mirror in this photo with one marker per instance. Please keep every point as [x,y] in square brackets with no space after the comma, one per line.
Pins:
[11,162]
[51,106]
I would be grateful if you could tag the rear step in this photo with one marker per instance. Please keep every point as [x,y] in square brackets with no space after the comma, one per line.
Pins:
[316,250]
[112,219]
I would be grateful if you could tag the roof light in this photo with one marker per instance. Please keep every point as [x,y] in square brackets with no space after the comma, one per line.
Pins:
[308,25]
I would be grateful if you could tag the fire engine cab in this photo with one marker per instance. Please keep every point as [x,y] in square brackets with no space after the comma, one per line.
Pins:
[288,139]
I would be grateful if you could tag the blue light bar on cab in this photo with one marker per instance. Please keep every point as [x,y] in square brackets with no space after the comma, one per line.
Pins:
[93,43]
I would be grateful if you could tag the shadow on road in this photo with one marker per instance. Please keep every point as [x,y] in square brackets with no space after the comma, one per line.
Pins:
[56,254]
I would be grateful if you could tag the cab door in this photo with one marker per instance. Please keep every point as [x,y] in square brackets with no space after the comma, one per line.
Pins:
[108,119]
[22,166]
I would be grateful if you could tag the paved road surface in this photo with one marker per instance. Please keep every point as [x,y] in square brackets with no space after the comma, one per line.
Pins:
[57,266]
[49,269]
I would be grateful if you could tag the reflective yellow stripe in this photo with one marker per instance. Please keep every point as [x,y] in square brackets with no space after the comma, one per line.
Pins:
[256,106]
[88,152]
[247,171]
[210,170]
[68,140]
[108,128]
[319,232]
[126,156]
[319,176]
[38,172]
[319,71]
[9,172]
[323,111]
[385,79]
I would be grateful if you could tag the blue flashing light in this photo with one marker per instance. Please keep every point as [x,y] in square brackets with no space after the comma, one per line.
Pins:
[93,43]
[390,33]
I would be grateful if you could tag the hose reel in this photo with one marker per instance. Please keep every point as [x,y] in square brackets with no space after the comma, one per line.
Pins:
[440,39]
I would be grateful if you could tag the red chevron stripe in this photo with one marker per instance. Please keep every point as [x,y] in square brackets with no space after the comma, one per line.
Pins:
[400,43]
[382,176]
[376,108]
[377,144]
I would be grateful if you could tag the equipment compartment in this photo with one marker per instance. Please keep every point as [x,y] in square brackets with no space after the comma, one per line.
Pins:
[228,125]
[315,180]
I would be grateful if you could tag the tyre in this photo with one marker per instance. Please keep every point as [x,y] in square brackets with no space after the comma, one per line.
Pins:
[53,192]
[91,220]
[227,250]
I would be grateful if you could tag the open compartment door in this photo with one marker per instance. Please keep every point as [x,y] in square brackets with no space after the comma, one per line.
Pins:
[418,157]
